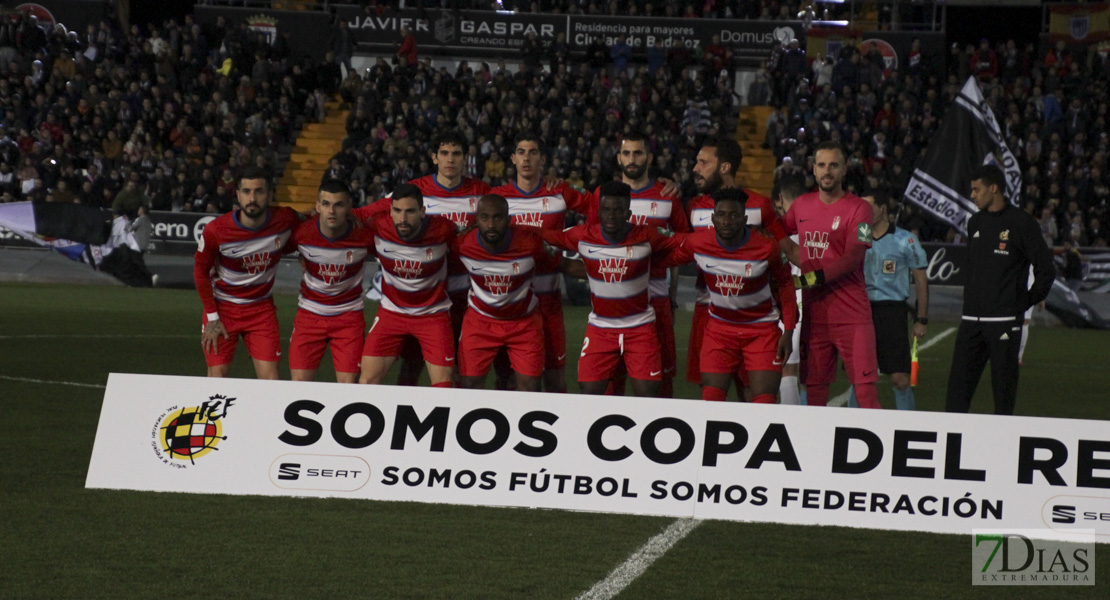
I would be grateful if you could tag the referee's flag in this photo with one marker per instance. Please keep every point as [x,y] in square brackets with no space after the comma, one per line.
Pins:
[969,137]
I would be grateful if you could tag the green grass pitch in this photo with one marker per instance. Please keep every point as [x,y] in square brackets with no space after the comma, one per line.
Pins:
[59,540]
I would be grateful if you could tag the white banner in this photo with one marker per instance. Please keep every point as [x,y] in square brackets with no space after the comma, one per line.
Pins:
[896,470]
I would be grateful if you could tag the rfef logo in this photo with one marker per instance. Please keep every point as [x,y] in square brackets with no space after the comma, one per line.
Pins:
[183,435]
[1032,557]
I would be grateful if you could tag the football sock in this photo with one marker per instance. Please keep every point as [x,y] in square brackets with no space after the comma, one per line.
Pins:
[852,403]
[788,390]
[867,394]
[445,384]
[1024,338]
[714,394]
[903,399]
[817,394]
[764,399]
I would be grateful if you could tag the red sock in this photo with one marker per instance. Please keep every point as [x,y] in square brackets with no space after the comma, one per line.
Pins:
[817,394]
[867,395]
[764,399]
[445,384]
[714,394]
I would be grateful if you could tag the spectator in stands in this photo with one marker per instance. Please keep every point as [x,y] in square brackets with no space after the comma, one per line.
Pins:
[407,54]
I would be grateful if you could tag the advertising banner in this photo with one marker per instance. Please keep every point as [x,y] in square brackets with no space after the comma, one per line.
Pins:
[895,470]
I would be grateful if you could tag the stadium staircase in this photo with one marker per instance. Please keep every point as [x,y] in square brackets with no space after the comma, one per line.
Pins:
[315,146]
[757,170]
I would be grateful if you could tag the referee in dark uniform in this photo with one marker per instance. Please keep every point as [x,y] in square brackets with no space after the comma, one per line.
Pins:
[1002,242]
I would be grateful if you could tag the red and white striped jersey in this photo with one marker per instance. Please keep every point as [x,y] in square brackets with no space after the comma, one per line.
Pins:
[458,205]
[245,259]
[544,207]
[650,207]
[414,273]
[501,281]
[618,272]
[332,281]
[746,284]
[761,215]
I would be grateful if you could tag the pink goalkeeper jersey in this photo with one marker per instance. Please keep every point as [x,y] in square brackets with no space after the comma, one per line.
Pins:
[827,235]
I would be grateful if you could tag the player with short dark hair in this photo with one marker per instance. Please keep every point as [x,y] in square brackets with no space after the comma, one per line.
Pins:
[621,328]
[715,168]
[1003,241]
[834,230]
[242,249]
[502,260]
[534,202]
[330,307]
[412,248]
[751,292]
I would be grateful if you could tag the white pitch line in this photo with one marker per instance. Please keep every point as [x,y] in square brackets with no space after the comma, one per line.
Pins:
[54,336]
[72,383]
[639,561]
[841,399]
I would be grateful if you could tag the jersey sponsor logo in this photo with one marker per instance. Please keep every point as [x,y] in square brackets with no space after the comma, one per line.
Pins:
[530,219]
[638,219]
[256,263]
[889,267]
[331,274]
[460,219]
[408,269]
[816,243]
[498,285]
[613,270]
[730,285]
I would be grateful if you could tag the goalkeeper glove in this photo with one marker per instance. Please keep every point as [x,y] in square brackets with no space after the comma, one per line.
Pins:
[810,280]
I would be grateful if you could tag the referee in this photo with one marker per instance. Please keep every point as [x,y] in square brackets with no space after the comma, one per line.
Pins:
[894,258]
[1003,241]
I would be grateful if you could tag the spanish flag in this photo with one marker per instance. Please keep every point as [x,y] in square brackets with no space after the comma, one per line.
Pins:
[1079,23]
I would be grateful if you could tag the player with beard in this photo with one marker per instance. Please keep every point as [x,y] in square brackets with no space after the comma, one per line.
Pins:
[653,204]
[618,259]
[333,249]
[412,248]
[535,202]
[716,166]
[452,195]
[834,230]
[751,292]
[243,248]
[503,261]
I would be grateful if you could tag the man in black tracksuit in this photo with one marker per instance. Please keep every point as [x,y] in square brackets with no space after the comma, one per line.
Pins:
[1002,242]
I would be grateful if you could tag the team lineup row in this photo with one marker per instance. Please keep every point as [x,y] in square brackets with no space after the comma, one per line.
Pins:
[471,275]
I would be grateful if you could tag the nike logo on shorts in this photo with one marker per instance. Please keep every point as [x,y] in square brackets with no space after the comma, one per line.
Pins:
[450,358]
[654,373]
[561,357]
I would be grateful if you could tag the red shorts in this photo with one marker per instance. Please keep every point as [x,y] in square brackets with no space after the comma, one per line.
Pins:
[693,352]
[728,347]
[390,329]
[603,348]
[554,333]
[855,343]
[312,333]
[256,322]
[664,328]
[482,337]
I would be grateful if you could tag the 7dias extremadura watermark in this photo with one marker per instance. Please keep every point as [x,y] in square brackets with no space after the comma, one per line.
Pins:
[1032,557]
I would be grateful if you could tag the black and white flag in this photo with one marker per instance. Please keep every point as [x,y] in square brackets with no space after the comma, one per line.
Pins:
[969,137]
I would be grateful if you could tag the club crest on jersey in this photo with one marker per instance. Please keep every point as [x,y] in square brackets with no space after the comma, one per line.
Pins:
[889,267]
[1004,236]
[613,270]
[654,209]
[350,256]
[546,204]
[836,223]
[429,254]
[628,251]
[748,270]
[516,268]
[473,204]
[498,285]
[731,285]
[816,243]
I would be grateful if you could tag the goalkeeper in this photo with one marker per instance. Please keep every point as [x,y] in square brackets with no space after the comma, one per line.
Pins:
[834,233]
[894,258]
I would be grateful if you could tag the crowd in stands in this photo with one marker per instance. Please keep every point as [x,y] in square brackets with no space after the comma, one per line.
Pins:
[767,10]
[581,108]
[175,110]
[1051,105]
